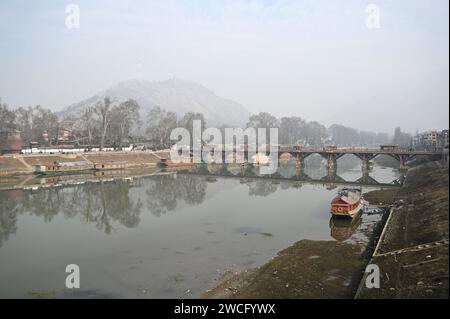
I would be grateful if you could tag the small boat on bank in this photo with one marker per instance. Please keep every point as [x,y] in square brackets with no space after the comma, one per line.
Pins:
[7,171]
[112,165]
[348,202]
[62,168]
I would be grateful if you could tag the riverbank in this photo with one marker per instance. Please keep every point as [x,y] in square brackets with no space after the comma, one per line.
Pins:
[412,254]
[24,164]
[307,269]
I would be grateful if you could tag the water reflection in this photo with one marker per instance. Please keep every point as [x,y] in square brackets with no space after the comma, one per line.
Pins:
[100,204]
[161,235]
[288,173]
[342,229]
[108,202]
[9,210]
[164,192]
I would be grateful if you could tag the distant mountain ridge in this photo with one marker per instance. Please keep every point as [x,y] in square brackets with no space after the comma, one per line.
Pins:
[174,95]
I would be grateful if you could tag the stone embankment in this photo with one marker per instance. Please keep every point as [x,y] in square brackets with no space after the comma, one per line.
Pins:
[412,253]
[410,247]
[25,163]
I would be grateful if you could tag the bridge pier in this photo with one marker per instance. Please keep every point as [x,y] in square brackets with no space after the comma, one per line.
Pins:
[365,160]
[332,163]
[244,169]
[365,175]
[298,171]
[365,165]
[300,160]
[245,156]
[332,160]
[403,160]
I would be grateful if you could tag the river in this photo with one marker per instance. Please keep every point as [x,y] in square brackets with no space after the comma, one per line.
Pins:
[162,236]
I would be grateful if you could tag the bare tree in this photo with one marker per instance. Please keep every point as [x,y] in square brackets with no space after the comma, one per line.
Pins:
[263,120]
[7,117]
[103,112]
[187,121]
[160,123]
[124,117]
[24,123]
[292,130]
[88,123]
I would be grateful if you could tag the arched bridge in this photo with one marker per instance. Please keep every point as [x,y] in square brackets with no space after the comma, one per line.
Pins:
[251,172]
[332,154]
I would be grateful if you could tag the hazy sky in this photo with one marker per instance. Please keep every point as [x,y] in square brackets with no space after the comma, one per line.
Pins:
[315,59]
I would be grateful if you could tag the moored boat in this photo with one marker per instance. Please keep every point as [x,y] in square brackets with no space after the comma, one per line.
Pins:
[165,162]
[347,203]
[61,168]
[7,171]
[112,165]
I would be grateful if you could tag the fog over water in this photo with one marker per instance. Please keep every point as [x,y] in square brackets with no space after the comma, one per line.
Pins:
[314,59]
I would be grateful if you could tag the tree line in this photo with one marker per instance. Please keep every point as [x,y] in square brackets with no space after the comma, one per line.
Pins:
[108,123]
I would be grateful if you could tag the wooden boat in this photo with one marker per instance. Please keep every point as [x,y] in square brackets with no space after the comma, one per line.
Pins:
[7,171]
[112,172]
[165,162]
[112,165]
[61,168]
[348,203]
[8,180]
[58,178]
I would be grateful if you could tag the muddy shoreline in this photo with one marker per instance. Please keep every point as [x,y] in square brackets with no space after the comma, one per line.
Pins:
[308,269]
[25,163]
[413,253]
[333,269]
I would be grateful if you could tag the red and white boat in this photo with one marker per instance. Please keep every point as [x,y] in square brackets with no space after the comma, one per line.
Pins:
[348,203]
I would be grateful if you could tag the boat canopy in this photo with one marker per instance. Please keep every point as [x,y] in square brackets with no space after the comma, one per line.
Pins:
[348,196]
[79,163]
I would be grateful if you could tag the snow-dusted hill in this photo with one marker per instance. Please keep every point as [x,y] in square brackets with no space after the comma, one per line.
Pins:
[174,95]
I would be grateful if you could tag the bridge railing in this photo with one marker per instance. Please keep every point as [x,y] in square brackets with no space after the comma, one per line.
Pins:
[283,149]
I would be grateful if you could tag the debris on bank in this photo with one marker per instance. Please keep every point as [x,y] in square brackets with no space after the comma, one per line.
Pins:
[307,269]
[412,254]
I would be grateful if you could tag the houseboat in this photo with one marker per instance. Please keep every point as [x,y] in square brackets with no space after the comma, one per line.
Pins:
[8,176]
[347,203]
[61,168]
[112,172]
[165,162]
[113,165]
[7,171]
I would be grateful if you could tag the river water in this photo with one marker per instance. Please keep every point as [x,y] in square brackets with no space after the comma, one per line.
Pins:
[162,236]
